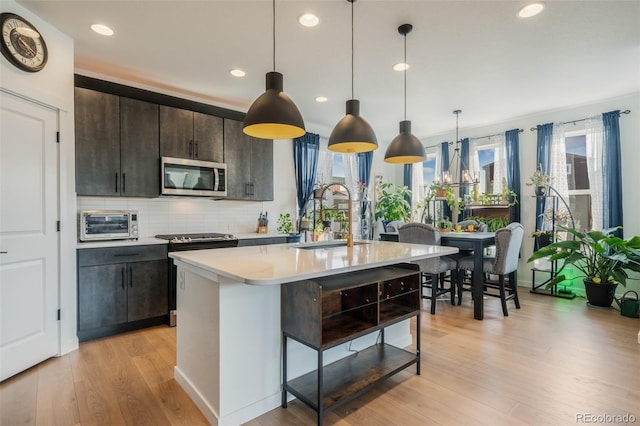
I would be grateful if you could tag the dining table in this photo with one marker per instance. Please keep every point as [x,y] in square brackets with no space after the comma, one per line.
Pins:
[476,241]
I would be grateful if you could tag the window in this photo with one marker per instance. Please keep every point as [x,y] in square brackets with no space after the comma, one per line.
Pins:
[578,179]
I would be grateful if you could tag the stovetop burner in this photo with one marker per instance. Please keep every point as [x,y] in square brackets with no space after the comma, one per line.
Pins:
[195,238]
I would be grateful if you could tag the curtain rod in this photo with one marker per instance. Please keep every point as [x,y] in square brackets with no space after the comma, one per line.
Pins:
[533,129]
[481,137]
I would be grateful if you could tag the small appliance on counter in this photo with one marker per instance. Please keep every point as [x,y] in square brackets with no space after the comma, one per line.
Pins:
[101,225]
[182,242]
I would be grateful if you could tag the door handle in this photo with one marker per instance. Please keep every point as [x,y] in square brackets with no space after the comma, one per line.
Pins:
[195,149]
[124,176]
[116,181]
[190,148]
[130,277]
[4,252]
[123,277]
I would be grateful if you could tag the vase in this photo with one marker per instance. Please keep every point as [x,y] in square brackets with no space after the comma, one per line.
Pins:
[293,238]
[542,241]
[600,294]
[540,191]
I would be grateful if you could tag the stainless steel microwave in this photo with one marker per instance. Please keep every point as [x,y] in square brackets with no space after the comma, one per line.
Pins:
[180,176]
[97,225]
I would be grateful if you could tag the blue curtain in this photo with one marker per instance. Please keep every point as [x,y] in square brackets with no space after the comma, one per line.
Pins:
[365,159]
[408,171]
[612,167]
[464,159]
[543,158]
[444,156]
[305,164]
[512,138]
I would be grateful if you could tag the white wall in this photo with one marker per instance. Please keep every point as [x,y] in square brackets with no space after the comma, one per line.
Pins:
[53,86]
[630,142]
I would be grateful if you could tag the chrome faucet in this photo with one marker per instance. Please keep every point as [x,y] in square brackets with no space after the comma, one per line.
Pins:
[349,210]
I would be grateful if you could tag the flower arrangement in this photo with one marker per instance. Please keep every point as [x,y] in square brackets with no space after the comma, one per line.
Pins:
[362,187]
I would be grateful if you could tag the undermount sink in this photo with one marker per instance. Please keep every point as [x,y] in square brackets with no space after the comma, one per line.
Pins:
[320,245]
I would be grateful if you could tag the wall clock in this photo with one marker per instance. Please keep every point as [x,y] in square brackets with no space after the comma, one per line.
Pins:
[21,43]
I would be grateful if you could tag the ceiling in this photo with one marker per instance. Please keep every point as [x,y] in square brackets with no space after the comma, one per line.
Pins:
[477,56]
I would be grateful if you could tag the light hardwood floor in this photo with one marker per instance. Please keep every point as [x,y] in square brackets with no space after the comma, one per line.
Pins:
[545,364]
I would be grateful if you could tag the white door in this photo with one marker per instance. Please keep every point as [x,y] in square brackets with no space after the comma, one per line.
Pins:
[29,240]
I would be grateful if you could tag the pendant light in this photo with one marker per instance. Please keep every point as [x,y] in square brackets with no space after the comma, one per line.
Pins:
[274,115]
[352,133]
[405,148]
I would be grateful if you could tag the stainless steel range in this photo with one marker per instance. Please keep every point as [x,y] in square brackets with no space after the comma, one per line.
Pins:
[183,242]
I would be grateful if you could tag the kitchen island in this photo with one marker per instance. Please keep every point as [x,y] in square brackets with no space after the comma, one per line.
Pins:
[229,336]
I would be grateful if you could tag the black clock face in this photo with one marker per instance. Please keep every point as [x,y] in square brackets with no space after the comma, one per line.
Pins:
[21,43]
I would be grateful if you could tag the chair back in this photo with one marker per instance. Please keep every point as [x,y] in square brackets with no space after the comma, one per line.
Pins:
[419,233]
[508,242]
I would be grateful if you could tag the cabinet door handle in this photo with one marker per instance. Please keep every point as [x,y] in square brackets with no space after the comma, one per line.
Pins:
[252,189]
[126,254]
[130,277]
[195,145]
[124,176]
[123,277]
[4,252]
[116,182]
[246,189]
[190,148]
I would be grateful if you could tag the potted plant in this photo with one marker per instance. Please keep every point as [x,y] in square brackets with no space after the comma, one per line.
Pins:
[540,181]
[444,224]
[285,226]
[601,257]
[393,205]
[542,238]
[456,204]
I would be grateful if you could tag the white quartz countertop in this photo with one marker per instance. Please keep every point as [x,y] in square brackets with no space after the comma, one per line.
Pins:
[281,263]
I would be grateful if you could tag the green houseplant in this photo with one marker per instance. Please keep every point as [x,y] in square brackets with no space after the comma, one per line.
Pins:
[392,204]
[285,226]
[540,181]
[600,256]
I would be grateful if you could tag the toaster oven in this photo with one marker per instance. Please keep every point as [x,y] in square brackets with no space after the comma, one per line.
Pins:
[108,225]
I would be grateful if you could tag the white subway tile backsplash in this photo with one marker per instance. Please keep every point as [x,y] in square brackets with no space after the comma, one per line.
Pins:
[177,215]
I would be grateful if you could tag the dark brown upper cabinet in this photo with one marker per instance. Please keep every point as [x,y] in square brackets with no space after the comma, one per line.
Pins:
[250,160]
[117,152]
[190,134]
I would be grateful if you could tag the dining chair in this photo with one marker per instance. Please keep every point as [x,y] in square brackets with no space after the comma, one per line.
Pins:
[505,262]
[433,270]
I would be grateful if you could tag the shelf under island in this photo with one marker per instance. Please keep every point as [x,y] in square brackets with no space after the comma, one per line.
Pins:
[230,331]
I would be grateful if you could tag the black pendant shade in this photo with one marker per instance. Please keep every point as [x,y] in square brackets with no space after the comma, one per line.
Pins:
[352,133]
[273,115]
[405,148]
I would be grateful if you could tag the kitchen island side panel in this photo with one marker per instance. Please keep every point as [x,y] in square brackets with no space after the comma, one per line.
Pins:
[229,353]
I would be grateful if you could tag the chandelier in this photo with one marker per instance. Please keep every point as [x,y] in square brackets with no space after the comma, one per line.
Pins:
[457,173]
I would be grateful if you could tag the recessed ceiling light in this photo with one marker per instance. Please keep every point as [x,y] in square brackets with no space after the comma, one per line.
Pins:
[531,9]
[401,66]
[102,29]
[308,20]
[321,99]
[237,72]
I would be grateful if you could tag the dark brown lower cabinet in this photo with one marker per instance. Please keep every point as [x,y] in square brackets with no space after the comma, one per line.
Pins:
[325,312]
[121,289]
